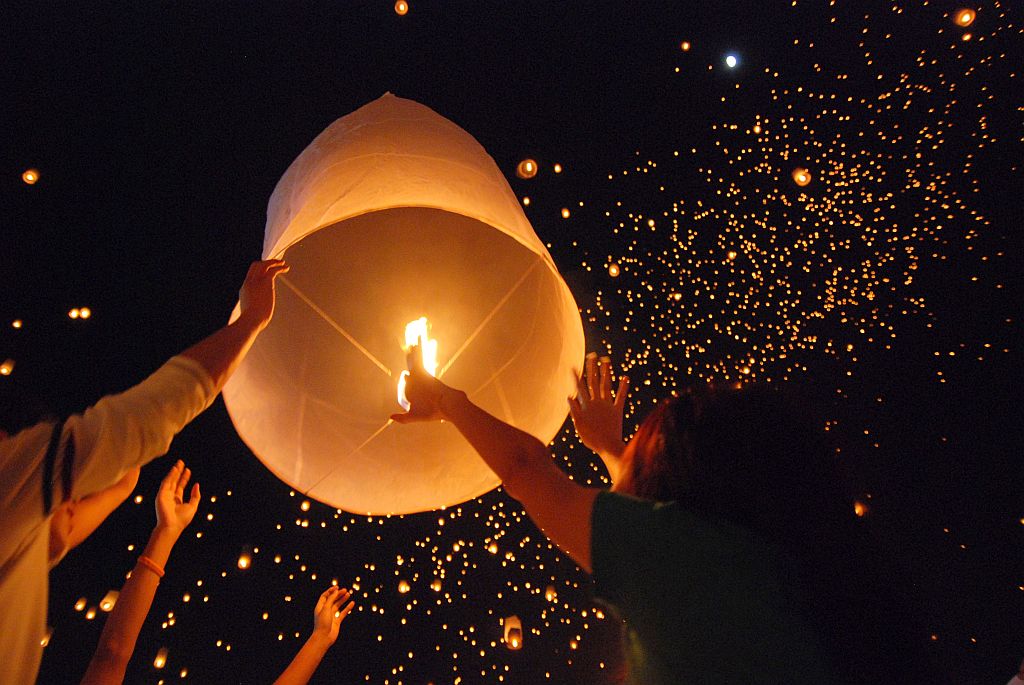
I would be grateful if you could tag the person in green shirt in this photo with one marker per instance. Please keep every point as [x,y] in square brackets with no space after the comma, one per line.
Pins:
[722,544]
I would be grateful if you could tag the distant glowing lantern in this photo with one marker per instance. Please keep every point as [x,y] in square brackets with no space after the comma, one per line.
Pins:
[435,585]
[305,505]
[861,509]
[73,313]
[7,368]
[550,594]
[161,658]
[513,632]
[565,212]
[526,169]
[403,586]
[557,168]
[84,312]
[757,128]
[730,255]
[45,639]
[17,323]
[685,46]
[90,613]
[109,600]
[613,270]
[401,8]
[965,17]
[731,61]
[801,176]
[244,560]
[394,213]
[80,604]
[30,176]
[966,37]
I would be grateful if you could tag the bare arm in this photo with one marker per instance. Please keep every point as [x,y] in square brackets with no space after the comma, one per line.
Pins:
[74,521]
[597,415]
[327,617]
[558,505]
[221,353]
[117,642]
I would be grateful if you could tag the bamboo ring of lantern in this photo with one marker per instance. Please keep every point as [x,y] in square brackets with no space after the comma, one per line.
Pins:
[965,17]
[391,214]
[801,176]
[526,168]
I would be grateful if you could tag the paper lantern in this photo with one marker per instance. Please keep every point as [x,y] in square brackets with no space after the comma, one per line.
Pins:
[526,168]
[401,8]
[391,214]
[801,176]
[513,632]
[30,176]
[109,600]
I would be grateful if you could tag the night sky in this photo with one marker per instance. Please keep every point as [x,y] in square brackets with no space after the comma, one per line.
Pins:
[887,287]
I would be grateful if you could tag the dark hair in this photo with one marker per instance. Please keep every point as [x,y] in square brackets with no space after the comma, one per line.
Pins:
[757,457]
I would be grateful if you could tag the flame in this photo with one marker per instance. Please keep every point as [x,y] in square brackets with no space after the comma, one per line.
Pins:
[417,333]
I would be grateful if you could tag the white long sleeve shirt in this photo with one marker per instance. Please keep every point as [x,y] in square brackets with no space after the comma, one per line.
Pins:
[114,435]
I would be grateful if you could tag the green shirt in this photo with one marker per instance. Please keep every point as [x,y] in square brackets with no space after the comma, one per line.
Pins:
[703,601]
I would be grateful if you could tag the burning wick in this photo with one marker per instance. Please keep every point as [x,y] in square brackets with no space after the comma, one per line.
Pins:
[416,333]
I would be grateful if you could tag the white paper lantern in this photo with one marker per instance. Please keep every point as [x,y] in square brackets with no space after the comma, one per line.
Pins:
[391,214]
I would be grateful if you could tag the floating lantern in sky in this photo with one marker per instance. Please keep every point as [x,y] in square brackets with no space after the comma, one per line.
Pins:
[565,212]
[161,658]
[965,17]
[801,176]
[685,46]
[45,639]
[109,600]
[30,176]
[613,270]
[513,632]
[526,169]
[84,312]
[17,323]
[860,509]
[392,214]
[401,8]
[7,368]
[731,61]
[403,586]
[557,168]
[80,604]
[244,560]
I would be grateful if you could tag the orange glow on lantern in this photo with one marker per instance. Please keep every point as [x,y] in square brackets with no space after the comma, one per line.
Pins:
[801,176]
[965,17]
[613,270]
[7,368]
[565,213]
[416,333]
[513,632]
[84,313]
[17,323]
[860,509]
[558,168]
[685,46]
[401,8]
[244,560]
[109,600]
[161,658]
[30,176]
[73,313]
[526,168]
[403,586]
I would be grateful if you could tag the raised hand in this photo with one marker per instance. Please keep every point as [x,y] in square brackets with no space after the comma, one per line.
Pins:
[330,611]
[422,390]
[257,295]
[596,413]
[172,511]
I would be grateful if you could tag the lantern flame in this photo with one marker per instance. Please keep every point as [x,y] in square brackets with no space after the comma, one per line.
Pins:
[417,333]
[965,17]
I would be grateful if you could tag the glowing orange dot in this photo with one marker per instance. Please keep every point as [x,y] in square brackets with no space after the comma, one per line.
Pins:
[526,168]
[16,323]
[613,270]
[685,46]
[526,202]
[757,128]
[731,255]
[30,176]
[161,658]
[7,367]
[966,37]
[860,509]
[401,8]
[565,213]
[558,168]
[965,17]
[305,505]
[801,176]
[84,313]
[403,586]
[73,314]
[244,560]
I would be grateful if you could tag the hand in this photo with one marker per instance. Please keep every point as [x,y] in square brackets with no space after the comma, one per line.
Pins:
[422,390]
[257,295]
[172,511]
[328,614]
[595,413]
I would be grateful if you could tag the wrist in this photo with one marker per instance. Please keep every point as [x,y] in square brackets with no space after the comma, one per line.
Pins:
[449,401]
[167,531]
[320,639]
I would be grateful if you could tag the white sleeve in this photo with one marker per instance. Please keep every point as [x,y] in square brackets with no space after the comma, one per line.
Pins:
[135,426]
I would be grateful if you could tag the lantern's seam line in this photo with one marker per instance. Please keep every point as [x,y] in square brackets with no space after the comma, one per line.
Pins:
[341,462]
[334,324]
[488,318]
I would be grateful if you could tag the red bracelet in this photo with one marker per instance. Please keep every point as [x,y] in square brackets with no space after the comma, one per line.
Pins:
[152,566]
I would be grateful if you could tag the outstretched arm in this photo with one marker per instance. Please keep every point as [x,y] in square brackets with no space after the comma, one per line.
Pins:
[555,503]
[330,611]
[117,642]
[75,520]
[597,415]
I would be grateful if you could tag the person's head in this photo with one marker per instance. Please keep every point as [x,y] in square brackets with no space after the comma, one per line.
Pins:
[748,455]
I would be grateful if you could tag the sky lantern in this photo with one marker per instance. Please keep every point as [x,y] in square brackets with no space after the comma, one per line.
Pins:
[613,270]
[401,8]
[731,61]
[801,176]
[30,176]
[685,46]
[965,17]
[109,600]
[391,215]
[513,632]
[244,560]
[161,658]
[526,168]
[7,368]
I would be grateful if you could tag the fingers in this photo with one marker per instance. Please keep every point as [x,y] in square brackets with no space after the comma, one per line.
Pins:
[194,496]
[605,387]
[592,383]
[171,479]
[339,616]
[574,409]
[582,392]
[179,488]
[622,392]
